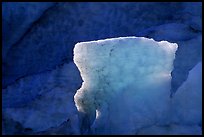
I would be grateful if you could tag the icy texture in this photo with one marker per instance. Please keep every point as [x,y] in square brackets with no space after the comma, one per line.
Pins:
[192,15]
[17,18]
[29,88]
[186,32]
[126,81]
[47,105]
[39,37]
[172,130]
[58,108]
[173,32]
[189,50]
[185,108]
[188,99]
[188,55]
[49,41]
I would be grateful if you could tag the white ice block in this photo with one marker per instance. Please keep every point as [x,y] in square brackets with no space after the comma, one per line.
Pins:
[126,83]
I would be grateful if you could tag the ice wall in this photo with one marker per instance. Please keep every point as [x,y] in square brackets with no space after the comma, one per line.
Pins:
[17,17]
[188,99]
[38,38]
[42,102]
[185,109]
[126,83]
[189,51]
[53,29]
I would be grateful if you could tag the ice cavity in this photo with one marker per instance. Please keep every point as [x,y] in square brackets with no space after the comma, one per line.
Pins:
[126,83]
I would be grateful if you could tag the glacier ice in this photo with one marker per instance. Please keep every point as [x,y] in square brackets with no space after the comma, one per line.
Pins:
[185,108]
[17,17]
[173,129]
[126,80]
[189,48]
[68,23]
[173,32]
[50,102]
[188,99]
[39,38]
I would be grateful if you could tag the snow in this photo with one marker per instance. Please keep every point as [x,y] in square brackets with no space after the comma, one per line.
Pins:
[124,76]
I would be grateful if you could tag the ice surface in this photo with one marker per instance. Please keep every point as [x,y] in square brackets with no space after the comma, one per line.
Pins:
[50,40]
[17,17]
[126,80]
[173,129]
[188,55]
[185,108]
[37,38]
[47,105]
[189,50]
[192,15]
[50,110]
[29,88]
[173,32]
[188,99]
